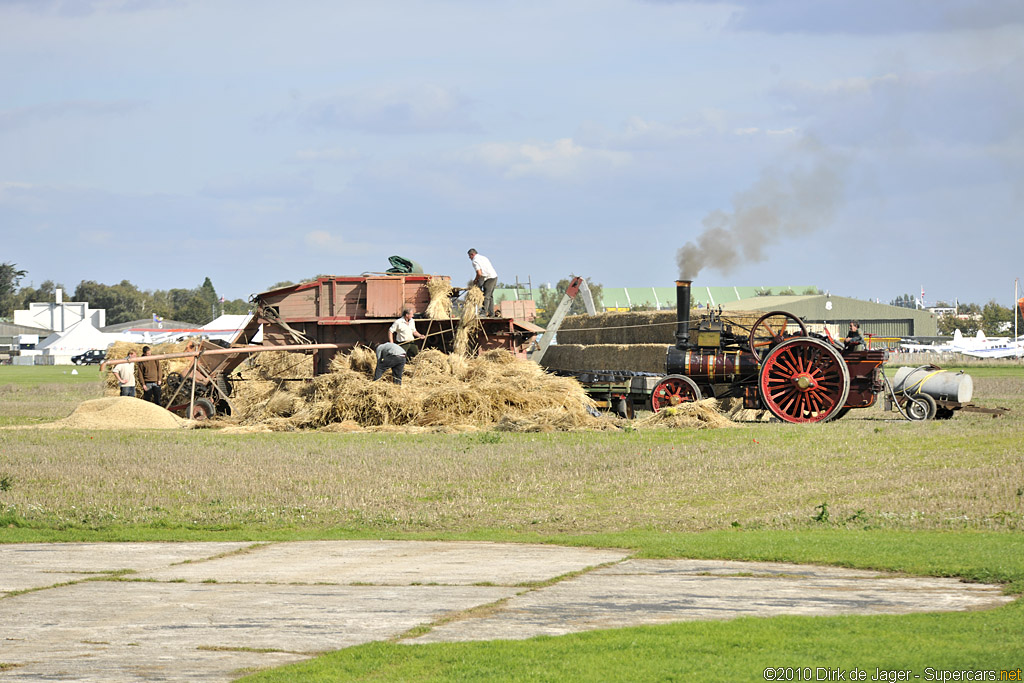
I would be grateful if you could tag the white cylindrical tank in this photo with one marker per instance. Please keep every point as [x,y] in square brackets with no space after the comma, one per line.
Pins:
[939,384]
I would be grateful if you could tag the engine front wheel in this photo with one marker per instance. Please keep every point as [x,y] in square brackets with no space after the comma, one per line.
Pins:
[672,391]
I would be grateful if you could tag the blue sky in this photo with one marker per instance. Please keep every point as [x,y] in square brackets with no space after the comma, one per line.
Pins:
[868,147]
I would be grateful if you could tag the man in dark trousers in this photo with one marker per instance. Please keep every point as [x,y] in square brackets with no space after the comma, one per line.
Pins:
[390,355]
[486,279]
[150,377]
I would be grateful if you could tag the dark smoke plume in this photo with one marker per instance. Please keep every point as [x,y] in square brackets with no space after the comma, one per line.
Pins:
[781,204]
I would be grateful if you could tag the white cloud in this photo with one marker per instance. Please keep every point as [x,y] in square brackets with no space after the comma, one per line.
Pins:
[562,159]
[325,241]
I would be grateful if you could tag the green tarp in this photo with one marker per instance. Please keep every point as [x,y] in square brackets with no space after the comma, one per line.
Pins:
[402,265]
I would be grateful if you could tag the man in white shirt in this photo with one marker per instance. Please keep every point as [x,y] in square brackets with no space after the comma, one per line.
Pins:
[403,332]
[486,279]
[125,374]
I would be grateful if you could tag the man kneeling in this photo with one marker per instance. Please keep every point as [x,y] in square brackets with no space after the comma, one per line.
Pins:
[390,355]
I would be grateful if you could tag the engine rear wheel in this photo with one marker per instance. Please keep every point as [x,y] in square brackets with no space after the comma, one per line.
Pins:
[672,391]
[770,329]
[804,379]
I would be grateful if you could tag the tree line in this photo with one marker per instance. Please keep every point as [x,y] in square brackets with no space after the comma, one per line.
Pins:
[124,302]
[992,319]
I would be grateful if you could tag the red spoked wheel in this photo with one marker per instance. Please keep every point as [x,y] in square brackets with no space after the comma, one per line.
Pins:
[804,380]
[672,391]
[770,329]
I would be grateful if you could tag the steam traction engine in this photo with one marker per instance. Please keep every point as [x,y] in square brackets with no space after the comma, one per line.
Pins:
[777,365]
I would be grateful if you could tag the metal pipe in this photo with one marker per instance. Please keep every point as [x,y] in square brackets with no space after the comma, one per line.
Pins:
[225,352]
[683,313]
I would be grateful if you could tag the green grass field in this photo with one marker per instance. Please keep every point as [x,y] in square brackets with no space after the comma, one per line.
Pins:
[941,498]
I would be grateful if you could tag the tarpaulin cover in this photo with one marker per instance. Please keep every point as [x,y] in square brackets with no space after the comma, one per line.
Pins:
[400,264]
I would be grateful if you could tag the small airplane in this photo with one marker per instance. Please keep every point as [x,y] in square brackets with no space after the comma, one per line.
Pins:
[970,346]
[1011,348]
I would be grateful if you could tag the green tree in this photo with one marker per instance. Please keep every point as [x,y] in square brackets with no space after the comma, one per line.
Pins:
[10,278]
[237,307]
[996,319]
[123,301]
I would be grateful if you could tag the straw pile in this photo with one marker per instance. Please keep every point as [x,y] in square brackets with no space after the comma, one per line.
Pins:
[641,327]
[470,321]
[440,306]
[702,414]
[119,350]
[439,392]
[265,378]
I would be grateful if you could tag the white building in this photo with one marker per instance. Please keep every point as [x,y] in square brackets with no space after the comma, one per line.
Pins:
[60,315]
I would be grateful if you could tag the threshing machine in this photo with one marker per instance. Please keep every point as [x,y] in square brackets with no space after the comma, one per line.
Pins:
[323,317]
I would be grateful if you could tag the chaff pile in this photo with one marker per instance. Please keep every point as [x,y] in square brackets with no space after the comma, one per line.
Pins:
[439,392]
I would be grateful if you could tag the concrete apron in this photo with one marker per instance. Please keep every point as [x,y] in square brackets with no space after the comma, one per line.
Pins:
[214,611]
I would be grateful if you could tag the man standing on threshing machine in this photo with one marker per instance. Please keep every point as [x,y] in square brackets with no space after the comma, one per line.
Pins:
[390,355]
[403,332]
[486,279]
[149,374]
[125,374]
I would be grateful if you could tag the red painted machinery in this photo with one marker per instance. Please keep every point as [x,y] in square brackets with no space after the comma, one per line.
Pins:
[776,365]
[346,311]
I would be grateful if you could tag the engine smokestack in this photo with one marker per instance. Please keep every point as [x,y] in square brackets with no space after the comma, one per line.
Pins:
[683,313]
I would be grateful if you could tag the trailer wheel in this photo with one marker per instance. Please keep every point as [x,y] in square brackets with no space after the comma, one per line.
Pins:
[203,409]
[804,379]
[672,391]
[921,407]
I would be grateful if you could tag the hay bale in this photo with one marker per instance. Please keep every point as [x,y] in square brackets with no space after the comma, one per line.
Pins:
[119,350]
[642,327]
[632,357]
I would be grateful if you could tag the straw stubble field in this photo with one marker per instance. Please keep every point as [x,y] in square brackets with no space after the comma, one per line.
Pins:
[865,471]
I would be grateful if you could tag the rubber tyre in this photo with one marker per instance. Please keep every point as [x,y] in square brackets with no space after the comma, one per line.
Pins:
[203,409]
[920,407]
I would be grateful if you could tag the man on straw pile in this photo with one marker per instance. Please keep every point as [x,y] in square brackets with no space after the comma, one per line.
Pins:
[486,279]
[125,374]
[390,355]
[149,373]
[403,332]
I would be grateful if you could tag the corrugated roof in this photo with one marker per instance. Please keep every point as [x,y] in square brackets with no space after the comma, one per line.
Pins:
[659,297]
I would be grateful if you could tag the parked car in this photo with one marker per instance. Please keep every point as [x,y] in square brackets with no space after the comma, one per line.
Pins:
[90,357]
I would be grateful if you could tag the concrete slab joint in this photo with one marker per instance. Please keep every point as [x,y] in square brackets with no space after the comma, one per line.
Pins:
[207,611]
